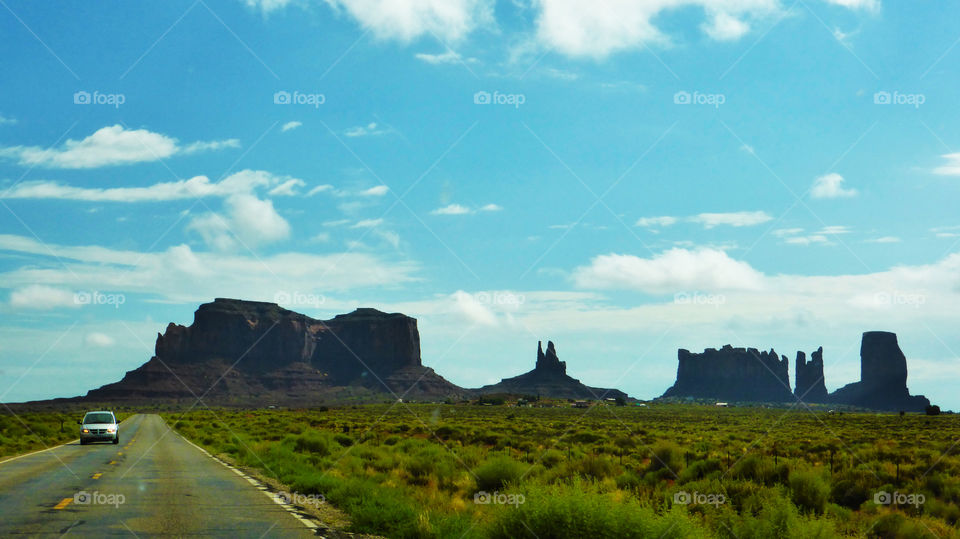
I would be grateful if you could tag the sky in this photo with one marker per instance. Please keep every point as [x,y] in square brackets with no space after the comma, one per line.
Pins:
[622,178]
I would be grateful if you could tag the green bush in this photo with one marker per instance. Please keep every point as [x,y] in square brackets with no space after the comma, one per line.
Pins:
[496,472]
[808,491]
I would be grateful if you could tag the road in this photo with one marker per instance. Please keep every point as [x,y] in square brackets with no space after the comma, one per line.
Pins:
[154,483]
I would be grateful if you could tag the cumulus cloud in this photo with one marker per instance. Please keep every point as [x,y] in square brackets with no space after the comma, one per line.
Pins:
[41,297]
[246,221]
[376,191]
[468,306]
[736,219]
[367,223]
[109,146]
[831,186]
[245,181]
[407,20]
[675,269]
[870,5]
[448,57]
[370,130]
[7,121]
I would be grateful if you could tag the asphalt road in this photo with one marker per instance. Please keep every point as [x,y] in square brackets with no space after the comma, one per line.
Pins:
[154,483]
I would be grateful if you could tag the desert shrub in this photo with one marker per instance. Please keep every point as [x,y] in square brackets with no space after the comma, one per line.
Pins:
[343,440]
[701,469]
[496,472]
[578,511]
[808,491]
[629,481]
[666,456]
[591,468]
[312,442]
[551,458]
[391,440]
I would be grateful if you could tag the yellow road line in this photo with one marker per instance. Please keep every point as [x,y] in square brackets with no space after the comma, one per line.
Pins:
[112,462]
[119,453]
[63,503]
[97,475]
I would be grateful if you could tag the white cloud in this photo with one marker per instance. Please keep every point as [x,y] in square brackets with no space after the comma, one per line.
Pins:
[672,270]
[468,306]
[664,220]
[830,186]
[450,20]
[109,146]
[835,229]
[869,5]
[7,121]
[736,219]
[448,57]
[807,240]
[247,220]
[371,129]
[41,297]
[245,181]
[885,239]
[452,209]
[98,340]
[459,209]
[180,274]
[781,232]
[725,27]
[289,126]
[376,191]
[952,168]
[287,188]
[319,189]
[368,223]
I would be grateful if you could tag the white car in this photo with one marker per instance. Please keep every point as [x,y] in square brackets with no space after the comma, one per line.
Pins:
[99,427]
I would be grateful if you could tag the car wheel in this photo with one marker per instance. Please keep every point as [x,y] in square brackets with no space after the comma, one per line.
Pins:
[116,440]
[83,442]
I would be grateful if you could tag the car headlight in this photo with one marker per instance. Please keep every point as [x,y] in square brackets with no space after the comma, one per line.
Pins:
[85,431]
[111,430]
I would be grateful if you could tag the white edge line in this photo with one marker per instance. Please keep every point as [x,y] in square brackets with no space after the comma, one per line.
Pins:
[260,486]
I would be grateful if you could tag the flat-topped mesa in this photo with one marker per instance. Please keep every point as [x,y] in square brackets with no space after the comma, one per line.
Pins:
[883,377]
[549,361]
[810,386]
[235,348]
[732,374]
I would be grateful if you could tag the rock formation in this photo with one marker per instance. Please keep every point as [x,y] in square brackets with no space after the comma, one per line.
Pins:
[249,351]
[810,386]
[883,377]
[732,374]
[549,379]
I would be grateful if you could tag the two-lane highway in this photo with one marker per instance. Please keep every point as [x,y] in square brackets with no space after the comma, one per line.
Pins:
[154,483]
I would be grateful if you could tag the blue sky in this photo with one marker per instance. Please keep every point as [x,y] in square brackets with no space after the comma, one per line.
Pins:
[623,178]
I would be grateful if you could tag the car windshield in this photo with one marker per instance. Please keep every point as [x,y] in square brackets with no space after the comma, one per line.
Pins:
[98,417]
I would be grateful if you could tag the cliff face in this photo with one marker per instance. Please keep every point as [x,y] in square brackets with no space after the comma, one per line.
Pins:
[237,350]
[732,374]
[810,386]
[883,377]
[549,379]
